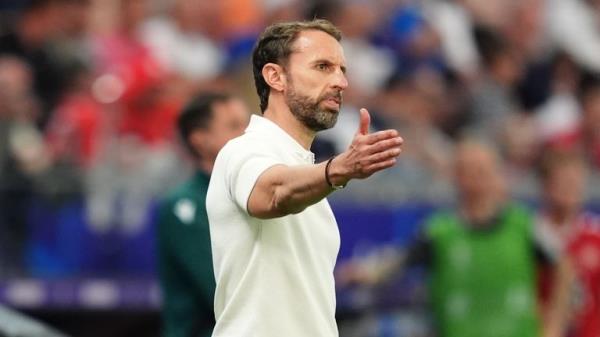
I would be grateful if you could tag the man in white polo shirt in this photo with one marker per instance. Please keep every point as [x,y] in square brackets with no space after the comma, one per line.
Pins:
[274,237]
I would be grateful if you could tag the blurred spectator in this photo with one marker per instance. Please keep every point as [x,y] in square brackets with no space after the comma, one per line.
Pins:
[492,97]
[526,32]
[75,133]
[573,27]
[481,257]
[91,91]
[21,155]
[565,228]
[496,14]
[561,112]
[139,160]
[185,259]
[39,24]
[453,24]
[414,40]
[585,136]
[520,147]
[187,42]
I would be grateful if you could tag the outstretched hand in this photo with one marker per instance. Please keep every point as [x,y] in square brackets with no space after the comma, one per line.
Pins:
[368,153]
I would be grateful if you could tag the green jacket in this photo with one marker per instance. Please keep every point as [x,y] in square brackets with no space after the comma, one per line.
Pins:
[483,281]
[185,261]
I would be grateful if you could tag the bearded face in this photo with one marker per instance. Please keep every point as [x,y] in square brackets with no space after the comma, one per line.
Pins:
[314,113]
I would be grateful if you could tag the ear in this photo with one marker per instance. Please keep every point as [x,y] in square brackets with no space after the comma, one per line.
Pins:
[274,75]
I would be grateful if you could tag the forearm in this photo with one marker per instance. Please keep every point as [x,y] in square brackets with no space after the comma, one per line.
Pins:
[283,190]
[557,313]
[289,190]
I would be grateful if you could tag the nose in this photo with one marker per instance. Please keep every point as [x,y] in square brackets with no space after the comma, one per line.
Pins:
[341,82]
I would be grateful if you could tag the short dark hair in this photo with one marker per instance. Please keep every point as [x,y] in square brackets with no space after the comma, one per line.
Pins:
[589,85]
[197,114]
[490,44]
[275,46]
[32,5]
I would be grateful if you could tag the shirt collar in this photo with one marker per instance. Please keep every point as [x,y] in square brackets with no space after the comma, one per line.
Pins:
[267,127]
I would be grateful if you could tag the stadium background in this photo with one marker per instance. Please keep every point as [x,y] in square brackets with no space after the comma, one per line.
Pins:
[90,90]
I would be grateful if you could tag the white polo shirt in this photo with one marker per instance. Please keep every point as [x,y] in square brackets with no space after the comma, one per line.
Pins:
[274,277]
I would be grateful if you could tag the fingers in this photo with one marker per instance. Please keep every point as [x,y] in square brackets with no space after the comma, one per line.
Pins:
[383,155]
[365,122]
[380,166]
[384,145]
[378,161]
[380,136]
[370,164]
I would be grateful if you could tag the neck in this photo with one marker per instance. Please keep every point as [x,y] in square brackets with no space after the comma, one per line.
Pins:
[480,210]
[281,115]
[560,216]
[206,165]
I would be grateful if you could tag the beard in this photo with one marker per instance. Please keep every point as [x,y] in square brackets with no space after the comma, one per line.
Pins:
[309,112]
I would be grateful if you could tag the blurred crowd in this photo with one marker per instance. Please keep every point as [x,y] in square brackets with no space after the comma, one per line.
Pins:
[90,90]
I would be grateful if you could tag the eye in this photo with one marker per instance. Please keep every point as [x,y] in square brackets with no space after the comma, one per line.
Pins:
[322,66]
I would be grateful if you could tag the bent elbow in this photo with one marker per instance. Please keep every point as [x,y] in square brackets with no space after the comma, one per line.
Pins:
[280,203]
[283,204]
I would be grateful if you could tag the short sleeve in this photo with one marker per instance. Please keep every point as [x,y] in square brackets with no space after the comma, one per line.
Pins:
[244,167]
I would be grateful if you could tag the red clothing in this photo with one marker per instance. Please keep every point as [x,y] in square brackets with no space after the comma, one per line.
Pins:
[581,241]
[75,129]
[145,113]
[574,140]
[584,249]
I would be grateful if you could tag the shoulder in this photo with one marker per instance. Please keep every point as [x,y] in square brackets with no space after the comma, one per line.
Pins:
[245,147]
[182,191]
[520,219]
[249,141]
[589,222]
[440,222]
[518,210]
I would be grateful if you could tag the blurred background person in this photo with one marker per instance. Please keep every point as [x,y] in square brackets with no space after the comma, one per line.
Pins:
[139,160]
[91,91]
[492,99]
[584,136]
[34,37]
[185,259]
[564,227]
[188,42]
[481,257]
[21,156]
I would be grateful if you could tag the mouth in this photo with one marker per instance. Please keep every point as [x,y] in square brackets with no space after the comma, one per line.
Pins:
[333,101]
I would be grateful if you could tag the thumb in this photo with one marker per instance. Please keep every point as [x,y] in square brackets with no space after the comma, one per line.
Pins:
[365,121]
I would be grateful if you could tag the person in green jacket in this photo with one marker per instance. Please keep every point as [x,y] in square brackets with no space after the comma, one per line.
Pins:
[481,257]
[187,279]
